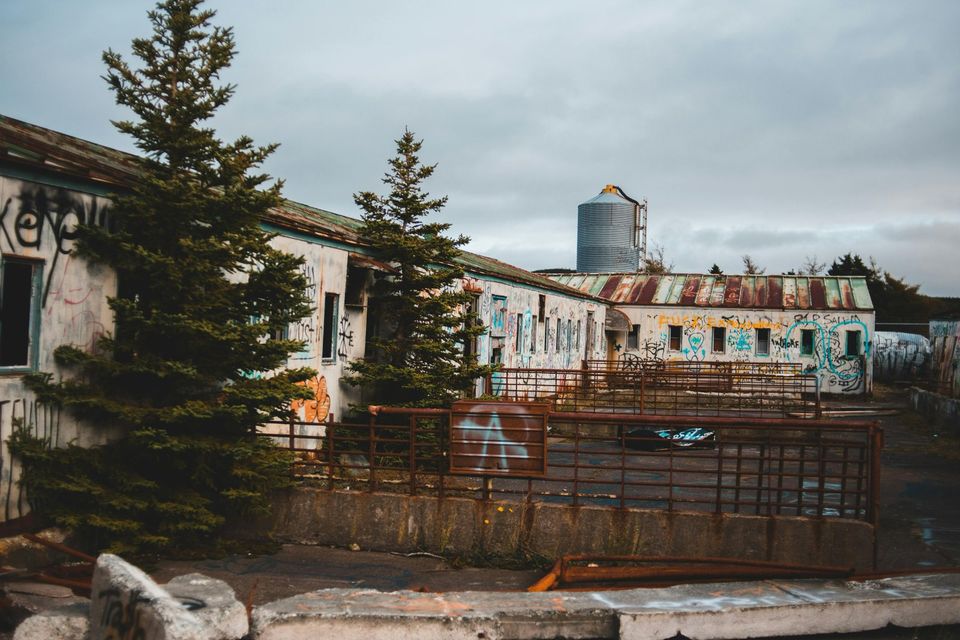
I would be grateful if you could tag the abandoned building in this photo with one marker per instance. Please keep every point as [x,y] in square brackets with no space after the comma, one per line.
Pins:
[50,182]
[823,324]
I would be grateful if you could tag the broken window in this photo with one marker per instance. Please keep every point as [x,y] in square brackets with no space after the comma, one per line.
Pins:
[519,344]
[19,312]
[633,338]
[806,342]
[542,307]
[763,342]
[546,335]
[533,335]
[853,343]
[356,282]
[719,340]
[576,338]
[558,336]
[331,303]
[676,337]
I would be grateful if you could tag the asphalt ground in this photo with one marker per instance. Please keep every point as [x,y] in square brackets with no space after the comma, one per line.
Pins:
[919,529]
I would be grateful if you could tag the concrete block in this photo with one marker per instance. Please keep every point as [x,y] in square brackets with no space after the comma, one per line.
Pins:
[71,622]
[213,602]
[125,602]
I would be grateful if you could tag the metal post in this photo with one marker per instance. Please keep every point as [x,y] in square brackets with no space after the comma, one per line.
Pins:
[413,454]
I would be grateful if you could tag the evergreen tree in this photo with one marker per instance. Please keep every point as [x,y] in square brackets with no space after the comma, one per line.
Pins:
[716,270]
[186,377]
[418,357]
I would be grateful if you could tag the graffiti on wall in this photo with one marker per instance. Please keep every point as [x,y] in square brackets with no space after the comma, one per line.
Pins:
[899,356]
[317,408]
[840,371]
[498,438]
[344,338]
[945,356]
[46,218]
[307,329]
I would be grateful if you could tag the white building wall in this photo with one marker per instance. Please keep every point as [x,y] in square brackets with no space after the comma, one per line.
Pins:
[838,373]
[37,222]
[516,337]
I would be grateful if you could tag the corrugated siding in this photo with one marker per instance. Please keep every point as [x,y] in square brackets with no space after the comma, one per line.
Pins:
[745,291]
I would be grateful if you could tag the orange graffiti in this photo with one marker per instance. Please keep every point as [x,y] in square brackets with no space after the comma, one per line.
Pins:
[317,408]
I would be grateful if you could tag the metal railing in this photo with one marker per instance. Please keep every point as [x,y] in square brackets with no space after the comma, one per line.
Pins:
[661,391]
[678,463]
[632,362]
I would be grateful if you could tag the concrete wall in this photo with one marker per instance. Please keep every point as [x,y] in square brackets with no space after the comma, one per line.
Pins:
[940,410]
[37,222]
[838,373]
[899,356]
[389,522]
[945,357]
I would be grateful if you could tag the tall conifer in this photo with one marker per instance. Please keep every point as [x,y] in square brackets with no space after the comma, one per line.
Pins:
[190,370]
[418,357]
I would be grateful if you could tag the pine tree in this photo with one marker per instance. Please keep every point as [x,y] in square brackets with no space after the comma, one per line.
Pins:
[716,270]
[186,377]
[418,357]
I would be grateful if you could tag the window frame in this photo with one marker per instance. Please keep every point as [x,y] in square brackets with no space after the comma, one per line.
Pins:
[720,348]
[858,350]
[33,318]
[804,335]
[674,333]
[757,341]
[330,320]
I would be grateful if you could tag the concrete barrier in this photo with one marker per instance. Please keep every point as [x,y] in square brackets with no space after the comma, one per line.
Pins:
[703,611]
[939,409]
[463,526]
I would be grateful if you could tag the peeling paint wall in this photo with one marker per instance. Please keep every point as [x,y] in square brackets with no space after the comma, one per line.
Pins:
[838,372]
[945,357]
[325,268]
[37,224]
[517,336]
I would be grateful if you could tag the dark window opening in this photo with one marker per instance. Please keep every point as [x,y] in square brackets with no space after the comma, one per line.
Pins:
[633,338]
[331,302]
[546,335]
[719,340]
[806,342]
[853,343]
[676,337]
[519,344]
[17,305]
[763,342]
[356,283]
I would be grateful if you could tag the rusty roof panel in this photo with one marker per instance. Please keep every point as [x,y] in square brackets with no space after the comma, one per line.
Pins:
[704,291]
[775,292]
[833,293]
[664,283]
[691,287]
[620,294]
[803,294]
[675,289]
[610,286]
[746,291]
[731,295]
[861,294]
[595,285]
[638,284]
[846,294]
[790,293]
[716,296]
[649,293]
[818,296]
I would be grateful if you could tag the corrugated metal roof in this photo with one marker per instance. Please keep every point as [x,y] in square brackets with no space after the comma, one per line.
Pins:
[25,144]
[743,291]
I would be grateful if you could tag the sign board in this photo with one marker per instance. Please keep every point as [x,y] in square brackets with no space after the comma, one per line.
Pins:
[499,438]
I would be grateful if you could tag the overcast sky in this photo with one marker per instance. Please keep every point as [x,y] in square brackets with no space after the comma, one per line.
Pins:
[778,129]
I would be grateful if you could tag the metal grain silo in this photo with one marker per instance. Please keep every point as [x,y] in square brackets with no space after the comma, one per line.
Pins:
[611,232]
